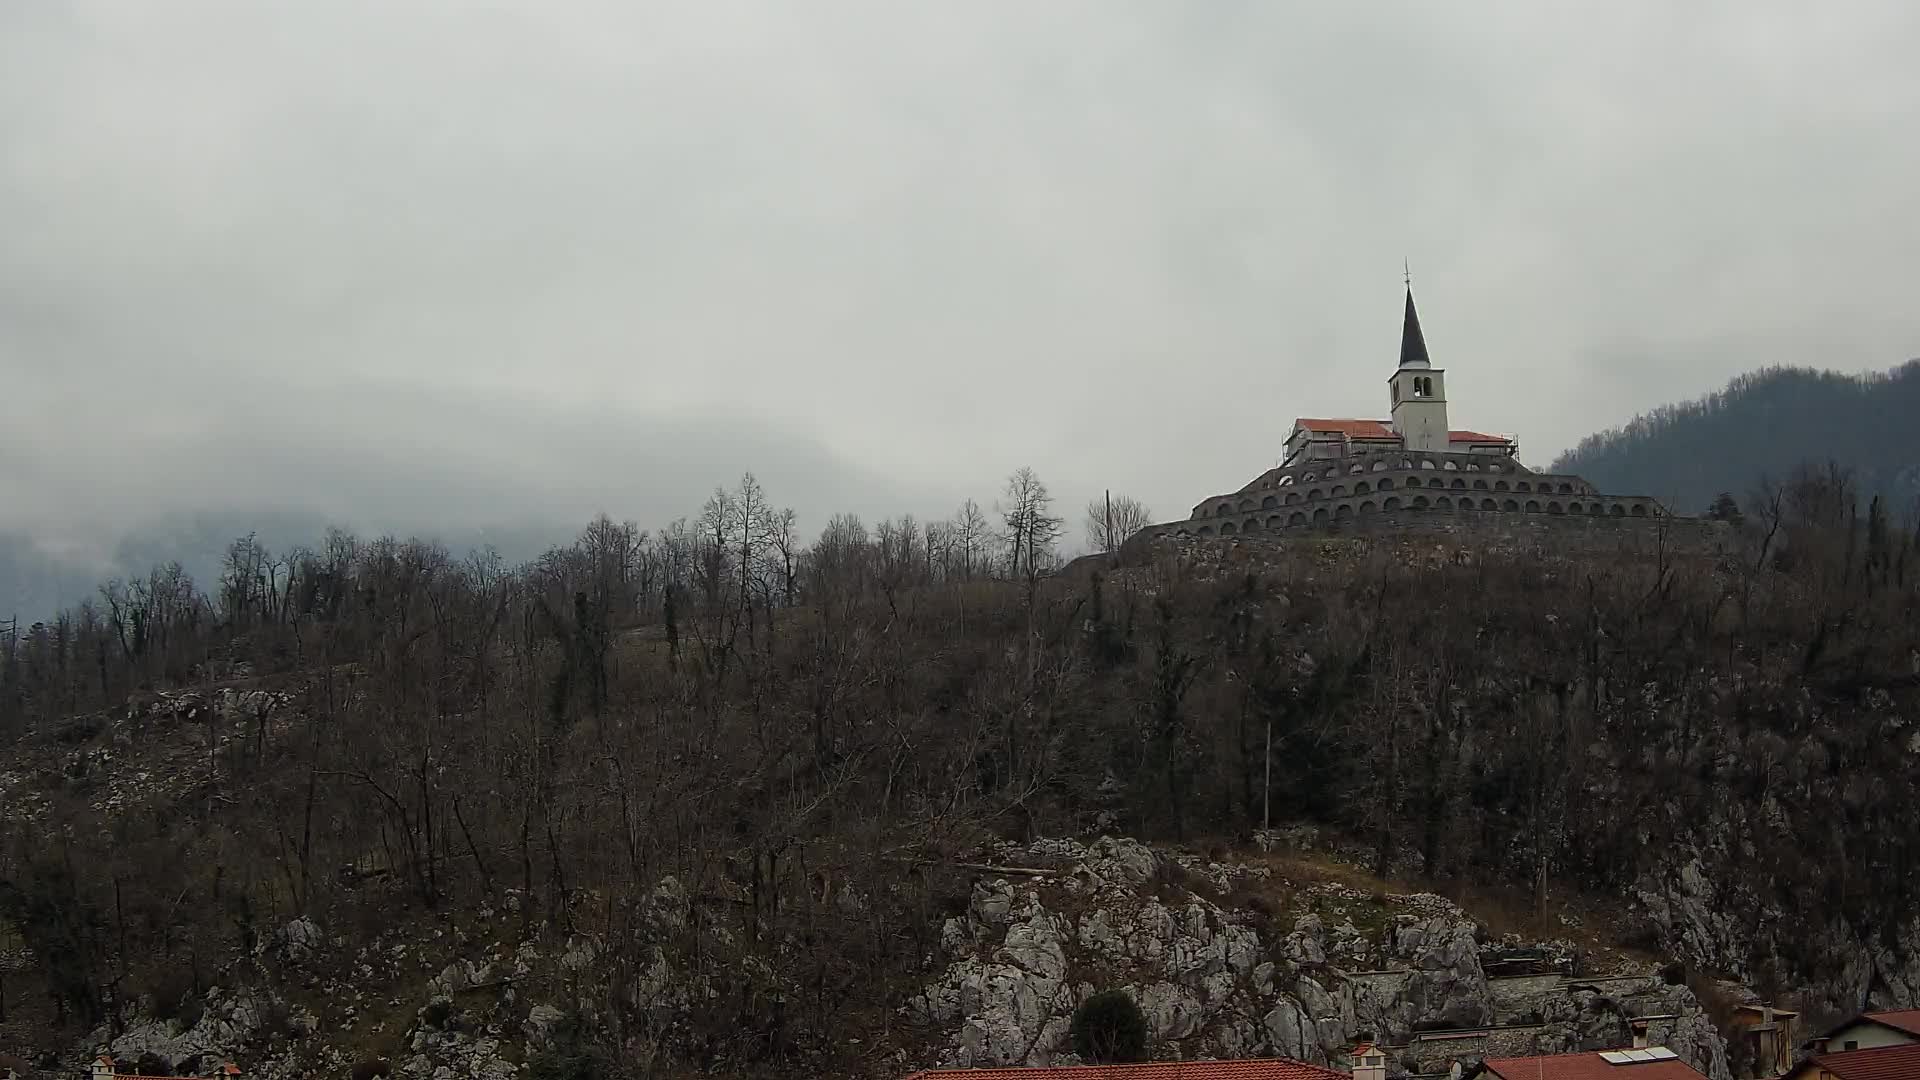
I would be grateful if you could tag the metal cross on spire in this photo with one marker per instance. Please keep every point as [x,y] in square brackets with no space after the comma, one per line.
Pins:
[1409,273]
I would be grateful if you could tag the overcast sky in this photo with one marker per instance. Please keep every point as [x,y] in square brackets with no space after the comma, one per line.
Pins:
[462,261]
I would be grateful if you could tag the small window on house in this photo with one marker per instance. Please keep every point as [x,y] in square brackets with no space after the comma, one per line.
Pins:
[1852,1044]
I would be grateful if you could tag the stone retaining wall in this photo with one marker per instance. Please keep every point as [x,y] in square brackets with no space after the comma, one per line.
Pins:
[1562,533]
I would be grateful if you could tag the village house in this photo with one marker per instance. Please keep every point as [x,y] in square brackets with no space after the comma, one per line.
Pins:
[1366,1068]
[1899,1062]
[1871,1030]
[1645,1063]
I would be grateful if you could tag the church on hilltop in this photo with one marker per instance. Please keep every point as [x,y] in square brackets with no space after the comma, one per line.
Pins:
[1335,472]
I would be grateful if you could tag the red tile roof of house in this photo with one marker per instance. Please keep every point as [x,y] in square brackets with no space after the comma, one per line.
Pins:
[1588,1066]
[1261,1069]
[1880,1063]
[1907,1020]
[1475,436]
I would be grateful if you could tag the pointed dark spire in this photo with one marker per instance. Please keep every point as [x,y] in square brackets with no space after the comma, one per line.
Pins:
[1413,344]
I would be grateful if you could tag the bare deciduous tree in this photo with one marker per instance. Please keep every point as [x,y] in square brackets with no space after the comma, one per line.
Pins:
[971,535]
[1029,525]
[1112,520]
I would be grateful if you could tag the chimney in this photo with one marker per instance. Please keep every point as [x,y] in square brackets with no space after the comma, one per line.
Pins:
[1369,1061]
[1639,1034]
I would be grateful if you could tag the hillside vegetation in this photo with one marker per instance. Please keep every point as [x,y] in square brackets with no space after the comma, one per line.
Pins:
[803,747]
[1761,427]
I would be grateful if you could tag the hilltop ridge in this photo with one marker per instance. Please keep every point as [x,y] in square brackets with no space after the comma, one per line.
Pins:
[1763,425]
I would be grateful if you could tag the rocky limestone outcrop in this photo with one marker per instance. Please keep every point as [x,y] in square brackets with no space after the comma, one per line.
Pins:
[229,1020]
[1707,923]
[1214,982]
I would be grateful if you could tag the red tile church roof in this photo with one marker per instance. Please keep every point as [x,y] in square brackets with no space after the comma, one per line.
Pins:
[1353,429]
[1383,429]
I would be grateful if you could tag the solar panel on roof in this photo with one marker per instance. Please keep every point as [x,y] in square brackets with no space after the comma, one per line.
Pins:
[1636,1057]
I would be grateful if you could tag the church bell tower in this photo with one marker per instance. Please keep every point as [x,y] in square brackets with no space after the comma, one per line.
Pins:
[1419,390]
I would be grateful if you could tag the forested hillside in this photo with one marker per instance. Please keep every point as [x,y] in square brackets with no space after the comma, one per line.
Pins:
[1762,426]
[714,799]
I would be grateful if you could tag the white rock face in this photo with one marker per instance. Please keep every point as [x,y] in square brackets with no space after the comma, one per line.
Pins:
[1290,1032]
[1005,1002]
[1211,985]
[294,943]
[1707,923]
[1447,985]
[228,1021]
[540,1023]
[442,1056]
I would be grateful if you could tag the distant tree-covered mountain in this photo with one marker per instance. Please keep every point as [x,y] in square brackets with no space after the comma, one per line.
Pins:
[1765,424]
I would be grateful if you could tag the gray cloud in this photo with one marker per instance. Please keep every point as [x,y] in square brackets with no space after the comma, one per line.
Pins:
[447,261]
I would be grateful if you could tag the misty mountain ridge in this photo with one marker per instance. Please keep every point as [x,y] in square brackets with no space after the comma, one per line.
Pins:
[38,578]
[1762,426]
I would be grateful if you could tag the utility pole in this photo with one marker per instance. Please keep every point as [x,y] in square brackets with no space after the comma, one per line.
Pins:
[1266,785]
